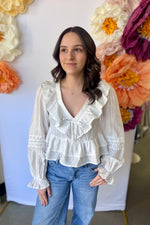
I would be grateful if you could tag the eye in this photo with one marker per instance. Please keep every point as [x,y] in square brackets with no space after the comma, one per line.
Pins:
[78,49]
[63,50]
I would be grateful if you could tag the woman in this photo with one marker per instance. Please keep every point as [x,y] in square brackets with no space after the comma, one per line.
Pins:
[76,135]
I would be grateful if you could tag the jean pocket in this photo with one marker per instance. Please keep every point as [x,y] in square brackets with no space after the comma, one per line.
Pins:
[92,167]
[52,163]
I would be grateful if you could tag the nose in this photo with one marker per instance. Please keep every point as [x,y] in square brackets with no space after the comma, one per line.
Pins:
[70,54]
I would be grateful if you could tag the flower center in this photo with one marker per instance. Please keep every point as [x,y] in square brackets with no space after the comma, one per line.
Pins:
[144,28]
[128,79]
[2,80]
[1,37]
[126,115]
[109,26]
[109,59]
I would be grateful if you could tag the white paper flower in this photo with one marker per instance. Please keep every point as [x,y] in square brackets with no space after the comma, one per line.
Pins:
[9,38]
[108,22]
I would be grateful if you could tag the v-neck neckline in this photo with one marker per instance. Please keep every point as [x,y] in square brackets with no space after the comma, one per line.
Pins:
[81,111]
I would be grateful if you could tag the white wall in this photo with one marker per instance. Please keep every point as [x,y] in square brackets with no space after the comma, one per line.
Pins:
[1,170]
[40,27]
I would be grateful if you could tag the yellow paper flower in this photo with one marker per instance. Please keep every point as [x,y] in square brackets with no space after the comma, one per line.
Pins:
[126,115]
[9,38]
[14,7]
[144,29]
[107,53]
[108,22]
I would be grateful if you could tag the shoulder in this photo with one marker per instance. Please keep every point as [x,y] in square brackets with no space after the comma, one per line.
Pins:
[48,90]
[104,87]
[48,87]
[48,84]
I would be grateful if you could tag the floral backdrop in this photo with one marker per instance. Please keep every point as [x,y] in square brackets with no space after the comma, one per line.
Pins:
[122,28]
[9,42]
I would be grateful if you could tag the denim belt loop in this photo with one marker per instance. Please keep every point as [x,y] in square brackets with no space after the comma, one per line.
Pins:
[57,161]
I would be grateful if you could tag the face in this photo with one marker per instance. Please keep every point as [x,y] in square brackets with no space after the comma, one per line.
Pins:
[72,54]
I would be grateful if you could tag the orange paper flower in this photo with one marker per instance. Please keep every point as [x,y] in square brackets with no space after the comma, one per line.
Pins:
[9,80]
[130,79]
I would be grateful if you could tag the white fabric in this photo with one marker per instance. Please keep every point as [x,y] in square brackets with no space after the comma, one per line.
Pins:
[95,135]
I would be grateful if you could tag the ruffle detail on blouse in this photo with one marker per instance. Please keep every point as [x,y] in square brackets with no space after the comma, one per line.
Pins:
[39,183]
[75,127]
[73,153]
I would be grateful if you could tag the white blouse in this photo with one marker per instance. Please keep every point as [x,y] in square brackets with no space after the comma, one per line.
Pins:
[95,135]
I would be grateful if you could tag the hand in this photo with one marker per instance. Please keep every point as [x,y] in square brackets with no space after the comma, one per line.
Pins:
[98,180]
[43,195]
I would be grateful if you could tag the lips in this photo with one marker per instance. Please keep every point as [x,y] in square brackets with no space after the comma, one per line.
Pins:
[70,64]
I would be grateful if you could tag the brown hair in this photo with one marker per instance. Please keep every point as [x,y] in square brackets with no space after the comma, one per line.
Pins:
[92,68]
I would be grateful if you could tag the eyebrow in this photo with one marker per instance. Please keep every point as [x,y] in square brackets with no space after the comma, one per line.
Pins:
[62,46]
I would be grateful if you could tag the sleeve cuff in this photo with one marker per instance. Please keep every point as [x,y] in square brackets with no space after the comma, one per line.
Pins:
[39,183]
[106,175]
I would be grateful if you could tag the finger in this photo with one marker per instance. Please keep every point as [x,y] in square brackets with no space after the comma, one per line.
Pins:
[95,183]
[95,179]
[100,182]
[43,197]
[49,191]
[44,201]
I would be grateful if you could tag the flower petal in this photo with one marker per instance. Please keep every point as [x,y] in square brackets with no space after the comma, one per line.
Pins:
[10,38]
[13,8]
[10,79]
[132,40]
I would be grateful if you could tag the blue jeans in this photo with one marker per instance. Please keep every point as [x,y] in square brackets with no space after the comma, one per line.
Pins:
[84,197]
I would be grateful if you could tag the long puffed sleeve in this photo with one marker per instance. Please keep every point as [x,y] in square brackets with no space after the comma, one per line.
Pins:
[37,143]
[111,127]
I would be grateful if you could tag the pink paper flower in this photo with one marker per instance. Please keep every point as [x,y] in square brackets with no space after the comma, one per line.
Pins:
[136,35]
[127,5]
[106,53]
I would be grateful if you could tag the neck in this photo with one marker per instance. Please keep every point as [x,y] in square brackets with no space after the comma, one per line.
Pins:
[72,83]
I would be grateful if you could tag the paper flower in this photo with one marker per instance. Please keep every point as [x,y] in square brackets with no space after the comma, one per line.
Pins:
[127,5]
[14,7]
[9,80]
[136,35]
[107,53]
[131,117]
[108,22]
[130,79]
[9,38]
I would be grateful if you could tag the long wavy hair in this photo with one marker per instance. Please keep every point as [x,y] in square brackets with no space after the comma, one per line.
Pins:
[92,67]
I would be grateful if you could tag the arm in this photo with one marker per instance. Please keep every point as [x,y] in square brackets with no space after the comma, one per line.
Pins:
[37,143]
[112,129]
